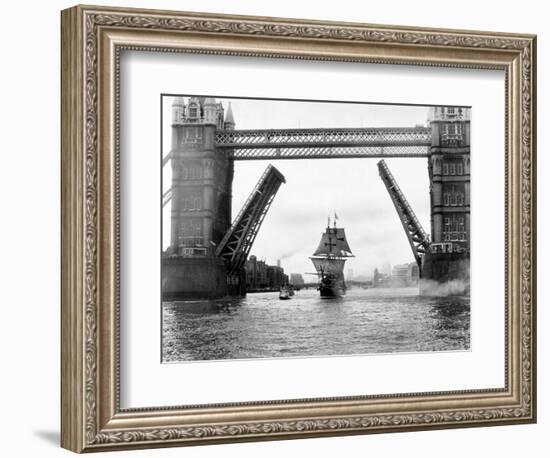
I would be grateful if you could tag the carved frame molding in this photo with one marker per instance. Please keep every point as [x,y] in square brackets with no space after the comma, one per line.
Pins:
[92,39]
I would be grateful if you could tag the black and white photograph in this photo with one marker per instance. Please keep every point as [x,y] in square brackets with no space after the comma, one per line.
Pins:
[275,229]
[305,228]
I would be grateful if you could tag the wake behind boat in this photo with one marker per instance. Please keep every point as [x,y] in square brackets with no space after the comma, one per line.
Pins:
[329,259]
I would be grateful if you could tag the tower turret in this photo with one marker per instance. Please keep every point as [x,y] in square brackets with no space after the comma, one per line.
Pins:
[229,123]
[178,111]
[210,111]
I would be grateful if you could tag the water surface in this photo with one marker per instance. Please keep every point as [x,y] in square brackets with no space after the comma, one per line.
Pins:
[362,322]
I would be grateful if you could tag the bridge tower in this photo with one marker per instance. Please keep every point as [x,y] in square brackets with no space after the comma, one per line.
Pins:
[449,173]
[200,194]
[201,177]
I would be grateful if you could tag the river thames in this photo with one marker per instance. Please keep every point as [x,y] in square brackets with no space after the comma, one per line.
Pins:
[365,321]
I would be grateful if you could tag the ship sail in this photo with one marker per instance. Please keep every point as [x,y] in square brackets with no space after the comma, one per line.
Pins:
[333,243]
[328,265]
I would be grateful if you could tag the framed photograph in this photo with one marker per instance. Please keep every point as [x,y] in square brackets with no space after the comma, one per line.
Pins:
[277,228]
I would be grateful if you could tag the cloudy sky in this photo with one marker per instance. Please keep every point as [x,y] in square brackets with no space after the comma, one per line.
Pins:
[316,188]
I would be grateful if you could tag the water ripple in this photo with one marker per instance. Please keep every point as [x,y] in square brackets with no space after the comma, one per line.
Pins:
[363,322]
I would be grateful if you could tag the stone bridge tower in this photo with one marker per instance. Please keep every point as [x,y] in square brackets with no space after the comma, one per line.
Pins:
[202,179]
[449,172]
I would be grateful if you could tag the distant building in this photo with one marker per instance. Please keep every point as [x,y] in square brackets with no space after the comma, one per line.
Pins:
[415,273]
[297,279]
[256,273]
[380,280]
[276,277]
[402,275]
[261,276]
[350,274]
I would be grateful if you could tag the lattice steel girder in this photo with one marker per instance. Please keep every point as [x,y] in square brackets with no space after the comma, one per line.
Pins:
[237,242]
[325,152]
[325,143]
[417,237]
[332,137]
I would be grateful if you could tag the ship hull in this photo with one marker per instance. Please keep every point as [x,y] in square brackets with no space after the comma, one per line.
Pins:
[332,287]
[328,292]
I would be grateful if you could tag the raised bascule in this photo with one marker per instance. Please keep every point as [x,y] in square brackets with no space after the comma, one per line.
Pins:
[207,250]
[418,239]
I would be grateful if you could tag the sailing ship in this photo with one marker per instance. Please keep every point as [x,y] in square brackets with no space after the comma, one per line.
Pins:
[329,259]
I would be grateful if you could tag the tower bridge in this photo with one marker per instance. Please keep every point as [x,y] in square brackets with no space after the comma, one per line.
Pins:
[207,249]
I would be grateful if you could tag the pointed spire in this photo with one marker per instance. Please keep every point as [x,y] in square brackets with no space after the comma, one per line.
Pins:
[229,120]
[178,111]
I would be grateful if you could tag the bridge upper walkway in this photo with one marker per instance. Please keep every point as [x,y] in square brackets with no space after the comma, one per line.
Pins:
[373,142]
[325,143]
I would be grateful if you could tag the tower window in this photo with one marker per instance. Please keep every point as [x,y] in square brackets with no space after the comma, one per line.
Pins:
[453,195]
[193,110]
[459,168]
[453,198]
[191,233]
[454,229]
[452,129]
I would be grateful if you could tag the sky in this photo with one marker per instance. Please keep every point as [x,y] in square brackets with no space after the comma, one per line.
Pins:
[317,188]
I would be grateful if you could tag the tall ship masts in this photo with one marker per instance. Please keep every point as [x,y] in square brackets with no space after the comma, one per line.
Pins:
[329,259]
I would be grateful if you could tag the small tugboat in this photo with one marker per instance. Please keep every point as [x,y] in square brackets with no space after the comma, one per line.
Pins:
[285,293]
[329,259]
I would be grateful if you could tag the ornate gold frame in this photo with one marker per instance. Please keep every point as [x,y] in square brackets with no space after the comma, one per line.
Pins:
[92,38]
